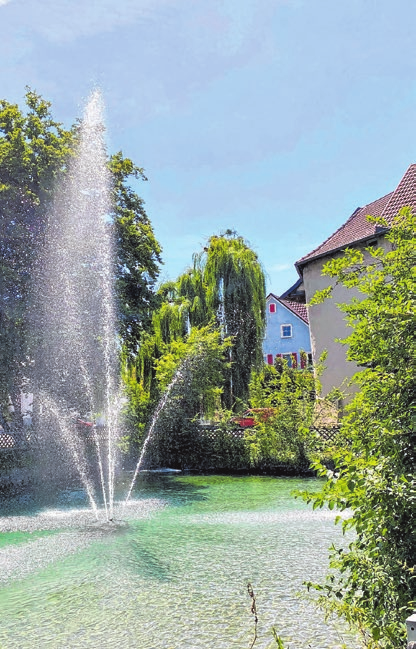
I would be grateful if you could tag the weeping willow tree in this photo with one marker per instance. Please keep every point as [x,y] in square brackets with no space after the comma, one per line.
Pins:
[225,288]
[235,292]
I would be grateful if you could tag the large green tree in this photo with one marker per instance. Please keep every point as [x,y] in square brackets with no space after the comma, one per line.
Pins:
[220,298]
[138,255]
[34,154]
[374,582]
[236,293]
[193,371]
[226,286]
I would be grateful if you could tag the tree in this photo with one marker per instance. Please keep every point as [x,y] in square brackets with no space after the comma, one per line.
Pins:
[138,255]
[221,296]
[285,398]
[236,293]
[374,584]
[194,369]
[33,153]
[225,285]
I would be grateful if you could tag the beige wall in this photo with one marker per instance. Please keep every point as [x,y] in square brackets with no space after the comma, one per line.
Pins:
[327,322]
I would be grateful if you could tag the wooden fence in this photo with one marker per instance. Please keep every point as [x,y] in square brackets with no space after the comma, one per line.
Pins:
[211,432]
[24,440]
[17,440]
[326,433]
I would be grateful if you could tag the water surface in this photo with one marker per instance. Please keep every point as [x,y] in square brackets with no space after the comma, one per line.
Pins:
[176,576]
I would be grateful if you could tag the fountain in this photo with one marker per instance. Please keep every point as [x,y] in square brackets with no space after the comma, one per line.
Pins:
[75,339]
[176,575]
[155,417]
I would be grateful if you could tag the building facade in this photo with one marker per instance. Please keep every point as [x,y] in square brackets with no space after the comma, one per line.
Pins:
[327,321]
[287,332]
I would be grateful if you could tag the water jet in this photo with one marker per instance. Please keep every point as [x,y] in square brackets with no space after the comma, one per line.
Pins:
[187,545]
[74,321]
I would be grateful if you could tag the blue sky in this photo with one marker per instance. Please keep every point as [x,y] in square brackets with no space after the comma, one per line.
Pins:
[276,118]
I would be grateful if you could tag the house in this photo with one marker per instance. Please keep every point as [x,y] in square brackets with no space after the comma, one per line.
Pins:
[326,320]
[287,330]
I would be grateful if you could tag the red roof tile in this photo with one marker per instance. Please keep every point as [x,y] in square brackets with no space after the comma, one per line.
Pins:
[358,227]
[405,195]
[297,308]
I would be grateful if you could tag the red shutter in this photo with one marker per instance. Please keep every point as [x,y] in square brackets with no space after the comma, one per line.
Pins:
[270,359]
[303,358]
[294,360]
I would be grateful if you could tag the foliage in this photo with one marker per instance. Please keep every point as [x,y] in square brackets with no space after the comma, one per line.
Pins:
[374,585]
[138,255]
[235,292]
[214,312]
[139,405]
[289,394]
[225,286]
[193,369]
[278,639]
[224,451]
[33,154]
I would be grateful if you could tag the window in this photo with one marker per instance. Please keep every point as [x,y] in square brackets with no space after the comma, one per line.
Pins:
[272,307]
[306,360]
[291,359]
[286,331]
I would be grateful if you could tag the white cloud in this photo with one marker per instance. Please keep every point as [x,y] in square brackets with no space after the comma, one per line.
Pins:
[4,2]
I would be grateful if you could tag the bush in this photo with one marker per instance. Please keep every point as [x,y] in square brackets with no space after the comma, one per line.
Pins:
[289,394]
[373,584]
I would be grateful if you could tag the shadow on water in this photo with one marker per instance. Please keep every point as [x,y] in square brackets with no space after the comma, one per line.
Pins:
[37,498]
[146,564]
[172,489]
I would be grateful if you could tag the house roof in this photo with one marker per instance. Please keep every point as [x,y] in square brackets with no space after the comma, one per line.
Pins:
[295,289]
[297,308]
[358,228]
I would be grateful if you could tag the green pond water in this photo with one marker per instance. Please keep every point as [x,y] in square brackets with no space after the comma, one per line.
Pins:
[174,576]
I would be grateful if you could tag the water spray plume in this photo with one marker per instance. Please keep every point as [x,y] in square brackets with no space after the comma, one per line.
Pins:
[159,408]
[75,321]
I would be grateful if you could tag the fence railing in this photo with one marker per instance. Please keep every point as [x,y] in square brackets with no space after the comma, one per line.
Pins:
[327,433]
[17,440]
[212,431]
[26,438]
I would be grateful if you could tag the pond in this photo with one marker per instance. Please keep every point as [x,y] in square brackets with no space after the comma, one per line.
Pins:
[174,575]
